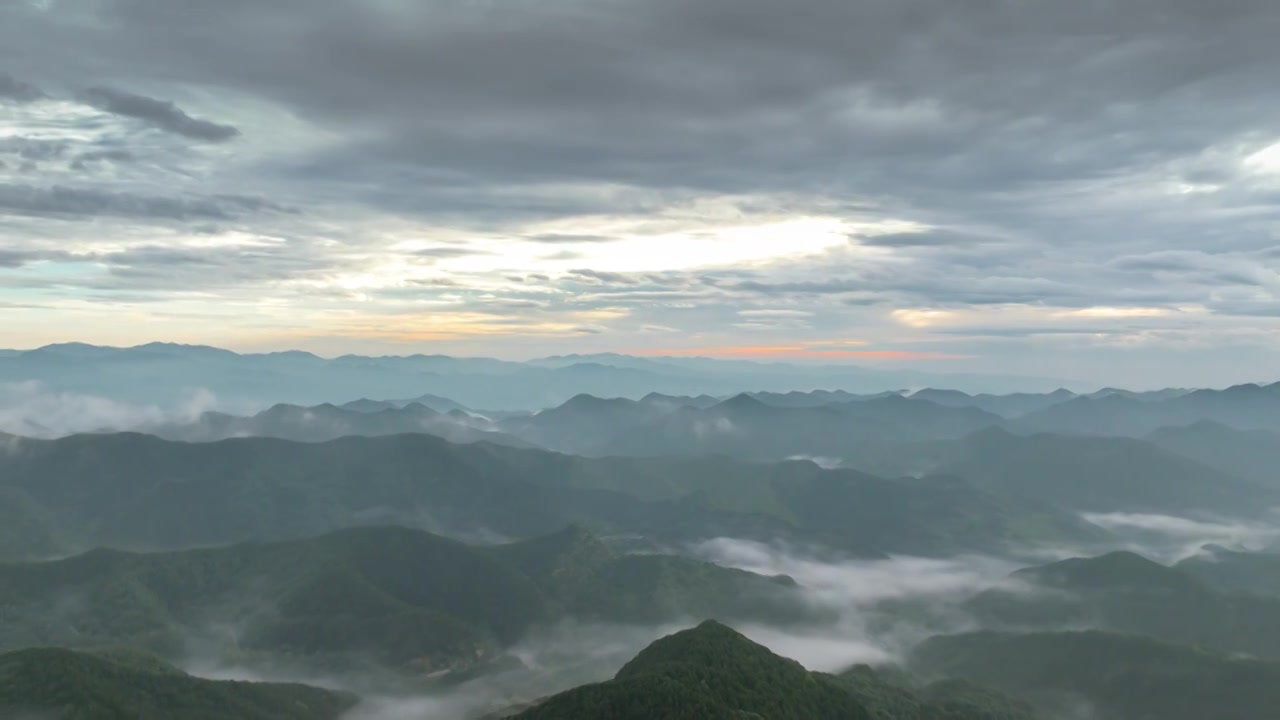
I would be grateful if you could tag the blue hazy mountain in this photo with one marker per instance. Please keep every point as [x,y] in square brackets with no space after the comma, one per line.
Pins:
[165,374]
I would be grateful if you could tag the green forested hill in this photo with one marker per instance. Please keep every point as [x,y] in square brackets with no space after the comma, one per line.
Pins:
[1100,474]
[893,694]
[591,582]
[1109,676]
[1125,592]
[1240,572]
[707,673]
[712,671]
[136,491]
[399,596]
[25,531]
[69,685]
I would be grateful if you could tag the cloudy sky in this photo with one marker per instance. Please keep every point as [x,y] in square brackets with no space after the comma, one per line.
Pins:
[1085,189]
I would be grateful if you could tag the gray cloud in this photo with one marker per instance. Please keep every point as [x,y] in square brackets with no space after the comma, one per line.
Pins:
[158,113]
[919,240]
[715,93]
[34,149]
[556,238]
[78,203]
[13,89]
[446,252]
[1032,144]
[605,277]
[19,258]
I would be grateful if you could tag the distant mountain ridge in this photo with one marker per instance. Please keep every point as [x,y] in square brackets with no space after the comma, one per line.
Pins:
[747,425]
[165,374]
[329,422]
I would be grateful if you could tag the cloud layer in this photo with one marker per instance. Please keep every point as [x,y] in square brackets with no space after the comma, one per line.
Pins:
[1079,189]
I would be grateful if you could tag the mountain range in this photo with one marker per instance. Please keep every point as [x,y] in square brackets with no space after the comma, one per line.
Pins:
[44,683]
[1107,676]
[136,491]
[166,375]
[1125,592]
[472,535]
[394,597]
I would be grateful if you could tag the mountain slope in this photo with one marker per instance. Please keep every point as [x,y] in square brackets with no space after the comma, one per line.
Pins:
[1094,474]
[1250,454]
[1108,676]
[136,491]
[1236,572]
[400,597]
[712,672]
[48,683]
[743,426]
[1124,592]
[1243,406]
[327,422]
[707,673]
[591,582]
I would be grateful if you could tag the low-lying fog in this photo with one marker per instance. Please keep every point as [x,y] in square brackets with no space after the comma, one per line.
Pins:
[859,594]
[32,410]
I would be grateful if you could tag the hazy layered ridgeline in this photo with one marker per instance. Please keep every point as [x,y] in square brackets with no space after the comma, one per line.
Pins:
[167,375]
[418,557]
[639,360]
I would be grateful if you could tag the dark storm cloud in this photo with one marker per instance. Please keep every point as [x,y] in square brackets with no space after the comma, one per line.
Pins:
[157,113]
[12,88]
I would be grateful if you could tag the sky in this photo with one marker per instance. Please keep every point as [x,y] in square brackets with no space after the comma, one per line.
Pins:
[1087,190]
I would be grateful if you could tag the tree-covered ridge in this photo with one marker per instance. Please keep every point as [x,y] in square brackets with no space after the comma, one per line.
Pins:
[1125,592]
[1256,573]
[712,671]
[70,685]
[401,597]
[1113,676]
[321,423]
[893,694]
[589,581]
[137,491]
[708,672]
[1099,474]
